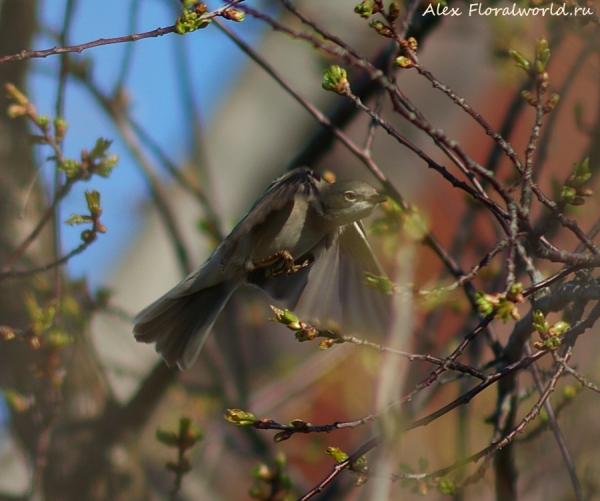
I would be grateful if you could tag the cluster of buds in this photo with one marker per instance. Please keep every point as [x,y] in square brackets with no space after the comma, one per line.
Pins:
[96,161]
[551,335]
[304,331]
[502,305]
[184,439]
[542,56]
[532,100]
[43,333]
[93,202]
[192,17]
[410,46]
[23,107]
[335,79]
[43,330]
[537,70]
[573,192]
[270,482]
[297,426]
[369,7]
[358,467]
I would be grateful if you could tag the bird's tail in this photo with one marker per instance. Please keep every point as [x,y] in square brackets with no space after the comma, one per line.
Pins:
[180,321]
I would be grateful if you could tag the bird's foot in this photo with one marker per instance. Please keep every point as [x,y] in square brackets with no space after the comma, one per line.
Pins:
[281,263]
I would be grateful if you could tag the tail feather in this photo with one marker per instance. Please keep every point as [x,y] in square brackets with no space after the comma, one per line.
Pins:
[180,321]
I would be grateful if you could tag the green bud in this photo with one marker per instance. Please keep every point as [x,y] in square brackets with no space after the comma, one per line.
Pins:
[502,304]
[506,310]
[261,472]
[394,11]
[568,194]
[539,66]
[381,28]
[42,318]
[289,317]
[485,302]
[190,21]
[190,4]
[43,121]
[542,54]
[282,436]
[78,219]
[569,392]
[189,435]
[559,328]
[404,62]
[446,487]
[551,103]
[410,43]
[59,338]
[233,15]
[529,97]
[379,282]
[520,60]
[100,148]
[581,173]
[540,323]
[360,465]
[366,9]
[335,79]
[240,417]
[280,460]
[552,343]
[71,168]
[515,293]
[286,317]
[93,202]
[299,424]
[60,128]
[337,454]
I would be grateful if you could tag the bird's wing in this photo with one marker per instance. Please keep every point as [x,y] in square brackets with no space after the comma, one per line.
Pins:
[279,196]
[336,289]
[332,291]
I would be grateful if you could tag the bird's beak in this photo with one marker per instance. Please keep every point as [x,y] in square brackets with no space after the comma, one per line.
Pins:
[377,199]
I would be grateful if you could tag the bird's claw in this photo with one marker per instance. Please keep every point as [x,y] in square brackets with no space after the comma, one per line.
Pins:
[281,263]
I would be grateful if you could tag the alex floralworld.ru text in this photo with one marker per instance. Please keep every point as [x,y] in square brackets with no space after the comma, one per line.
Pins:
[478,9]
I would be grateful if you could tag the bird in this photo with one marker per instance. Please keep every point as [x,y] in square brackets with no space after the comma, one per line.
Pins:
[302,243]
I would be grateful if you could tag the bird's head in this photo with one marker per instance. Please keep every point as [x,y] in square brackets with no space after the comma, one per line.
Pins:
[346,202]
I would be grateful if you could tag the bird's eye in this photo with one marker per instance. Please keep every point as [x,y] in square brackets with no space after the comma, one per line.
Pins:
[350,196]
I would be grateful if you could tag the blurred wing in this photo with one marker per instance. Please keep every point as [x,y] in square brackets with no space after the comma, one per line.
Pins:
[335,290]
